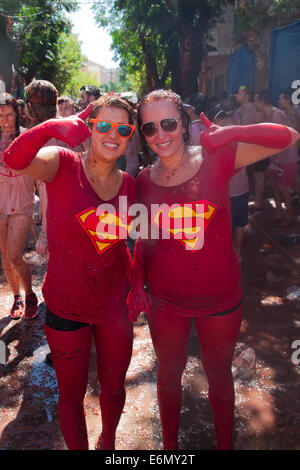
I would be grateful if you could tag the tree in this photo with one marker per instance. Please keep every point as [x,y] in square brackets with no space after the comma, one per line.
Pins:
[255,20]
[165,38]
[68,61]
[36,26]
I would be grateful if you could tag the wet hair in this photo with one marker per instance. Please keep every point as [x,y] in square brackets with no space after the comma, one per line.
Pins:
[91,90]
[264,95]
[167,95]
[64,99]
[112,101]
[8,100]
[41,100]
[198,101]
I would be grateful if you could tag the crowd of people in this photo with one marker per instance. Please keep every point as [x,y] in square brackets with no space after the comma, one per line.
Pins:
[193,159]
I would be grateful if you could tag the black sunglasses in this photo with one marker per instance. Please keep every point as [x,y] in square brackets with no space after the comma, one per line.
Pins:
[167,125]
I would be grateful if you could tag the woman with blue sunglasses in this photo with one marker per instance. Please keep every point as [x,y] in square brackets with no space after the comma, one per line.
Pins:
[89,263]
[190,268]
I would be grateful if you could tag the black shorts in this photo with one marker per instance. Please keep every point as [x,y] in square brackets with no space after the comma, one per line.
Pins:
[61,324]
[239,210]
[227,312]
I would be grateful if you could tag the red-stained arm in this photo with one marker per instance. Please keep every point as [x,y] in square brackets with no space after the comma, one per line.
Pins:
[25,156]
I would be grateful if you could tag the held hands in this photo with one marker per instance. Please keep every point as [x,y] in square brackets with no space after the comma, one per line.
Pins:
[138,300]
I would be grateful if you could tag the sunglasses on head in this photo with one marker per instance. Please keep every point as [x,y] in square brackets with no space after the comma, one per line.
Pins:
[167,125]
[105,127]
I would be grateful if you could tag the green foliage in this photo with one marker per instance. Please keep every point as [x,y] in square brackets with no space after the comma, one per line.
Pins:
[76,81]
[260,14]
[38,25]
[148,35]
[68,61]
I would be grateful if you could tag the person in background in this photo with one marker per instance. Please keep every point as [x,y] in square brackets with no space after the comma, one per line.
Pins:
[66,106]
[16,216]
[285,103]
[88,93]
[24,120]
[283,167]
[195,105]
[239,192]
[244,115]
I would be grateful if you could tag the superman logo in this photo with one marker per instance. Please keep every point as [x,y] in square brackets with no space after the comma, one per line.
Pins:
[105,228]
[186,223]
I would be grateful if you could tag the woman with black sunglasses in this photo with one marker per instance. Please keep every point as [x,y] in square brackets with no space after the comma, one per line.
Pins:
[89,263]
[187,262]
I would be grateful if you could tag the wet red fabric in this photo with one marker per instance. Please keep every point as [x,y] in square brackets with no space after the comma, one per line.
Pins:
[196,275]
[88,258]
[71,353]
[217,338]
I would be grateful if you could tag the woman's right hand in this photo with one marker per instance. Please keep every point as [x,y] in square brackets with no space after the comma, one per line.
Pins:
[138,300]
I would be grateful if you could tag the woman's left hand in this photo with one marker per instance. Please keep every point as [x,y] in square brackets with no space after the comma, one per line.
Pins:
[72,130]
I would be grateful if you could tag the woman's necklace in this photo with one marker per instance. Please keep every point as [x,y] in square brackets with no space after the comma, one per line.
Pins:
[171,173]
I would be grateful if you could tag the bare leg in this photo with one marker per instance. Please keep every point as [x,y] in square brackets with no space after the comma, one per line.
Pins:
[8,268]
[286,197]
[259,187]
[238,233]
[18,229]
[277,196]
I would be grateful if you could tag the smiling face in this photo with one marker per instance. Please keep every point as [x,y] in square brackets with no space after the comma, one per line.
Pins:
[165,144]
[109,147]
[7,119]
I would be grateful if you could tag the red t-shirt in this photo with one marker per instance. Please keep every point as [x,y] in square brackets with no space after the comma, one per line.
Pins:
[85,279]
[196,271]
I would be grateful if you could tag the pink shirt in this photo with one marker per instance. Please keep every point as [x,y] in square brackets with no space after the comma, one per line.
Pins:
[16,190]
[289,155]
[86,274]
[239,183]
[196,128]
[193,272]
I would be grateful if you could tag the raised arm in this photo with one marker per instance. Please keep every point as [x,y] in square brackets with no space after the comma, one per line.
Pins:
[255,142]
[26,154]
